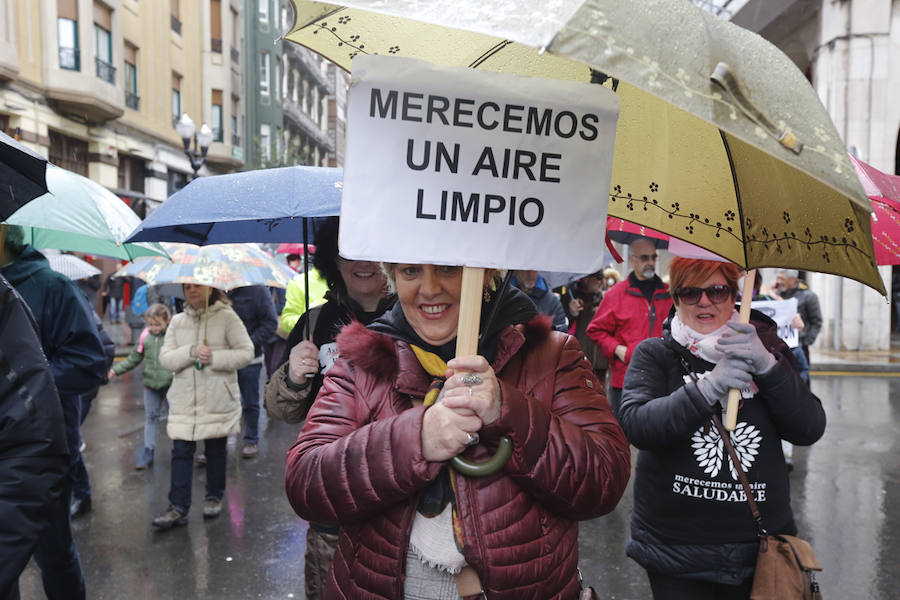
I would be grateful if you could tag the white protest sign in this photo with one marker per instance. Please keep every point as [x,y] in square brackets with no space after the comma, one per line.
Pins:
[782,312]
[463,167]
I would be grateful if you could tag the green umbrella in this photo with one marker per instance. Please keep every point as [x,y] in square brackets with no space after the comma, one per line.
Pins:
[79,215]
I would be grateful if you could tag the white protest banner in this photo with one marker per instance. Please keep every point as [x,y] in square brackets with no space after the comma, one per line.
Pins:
[782,312]
[463,167]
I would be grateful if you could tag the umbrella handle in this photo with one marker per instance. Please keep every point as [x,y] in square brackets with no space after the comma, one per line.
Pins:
[467,343]
[734,396]
[197,364]
[471,468]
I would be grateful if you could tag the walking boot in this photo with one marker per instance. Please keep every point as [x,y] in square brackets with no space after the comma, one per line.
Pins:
[171,518]
[145,460]
[212,507]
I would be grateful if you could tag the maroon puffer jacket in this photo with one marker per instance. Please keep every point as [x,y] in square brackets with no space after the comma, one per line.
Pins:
[359,461]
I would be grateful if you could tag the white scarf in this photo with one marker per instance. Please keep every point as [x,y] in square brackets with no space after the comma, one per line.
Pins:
[432,541]
[701,345]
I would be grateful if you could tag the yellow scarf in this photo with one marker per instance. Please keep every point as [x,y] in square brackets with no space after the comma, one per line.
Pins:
[435,366]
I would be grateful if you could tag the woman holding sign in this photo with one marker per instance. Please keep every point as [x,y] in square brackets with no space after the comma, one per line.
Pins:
[373,454]
[691,527]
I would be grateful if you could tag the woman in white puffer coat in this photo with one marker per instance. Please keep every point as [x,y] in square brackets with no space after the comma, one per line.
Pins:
[204,347]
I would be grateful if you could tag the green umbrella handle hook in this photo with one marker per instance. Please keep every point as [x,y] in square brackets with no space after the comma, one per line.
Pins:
[471,468]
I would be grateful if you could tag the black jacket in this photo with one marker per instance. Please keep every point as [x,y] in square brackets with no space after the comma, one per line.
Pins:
[810,312]
[254,305]
[67,331]
[690,517]
[33,455]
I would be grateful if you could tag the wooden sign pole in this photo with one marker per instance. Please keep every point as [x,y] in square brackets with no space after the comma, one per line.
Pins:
[469,311]
[734,396]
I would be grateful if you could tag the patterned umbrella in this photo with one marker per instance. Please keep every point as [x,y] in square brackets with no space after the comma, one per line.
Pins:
[721,141]
[222,266]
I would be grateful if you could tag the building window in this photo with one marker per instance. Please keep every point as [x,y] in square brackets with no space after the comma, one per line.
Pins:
[67,35]
[215,25]
[279,145]
[217,117]
[277,81]
[103,43]
[175,21]
[131,174]
[68,153]
[265,141]
[175,181]
[132,99]
[176,98]
[264,12]
[264,73]
[235,37]
[235,110]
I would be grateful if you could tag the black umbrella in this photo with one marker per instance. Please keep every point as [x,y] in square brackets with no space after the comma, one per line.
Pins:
[23,175]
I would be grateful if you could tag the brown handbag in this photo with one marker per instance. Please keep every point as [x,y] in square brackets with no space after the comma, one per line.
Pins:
[785,565]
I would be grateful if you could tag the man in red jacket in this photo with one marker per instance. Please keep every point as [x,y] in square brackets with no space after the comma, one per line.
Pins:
[631,311]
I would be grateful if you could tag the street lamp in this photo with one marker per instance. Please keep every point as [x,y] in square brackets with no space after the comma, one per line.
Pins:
[185,129]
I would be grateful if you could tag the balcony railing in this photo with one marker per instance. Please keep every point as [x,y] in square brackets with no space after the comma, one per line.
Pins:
[176,25]
[69,58]
[105,71]
[215,44]
[235,140]
[132,100]
[235,55]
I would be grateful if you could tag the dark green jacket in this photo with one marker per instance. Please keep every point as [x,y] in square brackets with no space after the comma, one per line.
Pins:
[156,377]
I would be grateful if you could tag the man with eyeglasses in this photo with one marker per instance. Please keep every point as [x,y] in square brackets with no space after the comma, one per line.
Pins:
[630,312]
[788,285]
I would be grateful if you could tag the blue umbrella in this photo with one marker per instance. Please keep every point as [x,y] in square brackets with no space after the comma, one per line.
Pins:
[266,205]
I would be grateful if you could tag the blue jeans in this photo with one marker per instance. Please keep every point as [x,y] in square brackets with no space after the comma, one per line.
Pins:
[248,382]
[81,484]
[155,404]
[115,309]
[802,363]
[665,587]
[183,468]
[56,553]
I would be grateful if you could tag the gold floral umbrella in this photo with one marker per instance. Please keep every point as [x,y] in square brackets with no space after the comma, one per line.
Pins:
[721,141]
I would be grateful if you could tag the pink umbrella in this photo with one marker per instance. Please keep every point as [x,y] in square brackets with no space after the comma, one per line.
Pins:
[884,192]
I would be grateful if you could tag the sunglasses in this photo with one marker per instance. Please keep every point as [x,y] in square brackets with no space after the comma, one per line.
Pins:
[645,257]
[717,294]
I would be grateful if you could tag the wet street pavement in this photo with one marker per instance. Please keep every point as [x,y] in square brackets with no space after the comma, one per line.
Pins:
[844,491]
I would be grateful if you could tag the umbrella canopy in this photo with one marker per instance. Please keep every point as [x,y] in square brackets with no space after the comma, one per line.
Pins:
[69,265]
[22,175]
[626,233]
[721,141]
[253,206]
[293,248]
[80,216]
[222,266]
[884,192]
